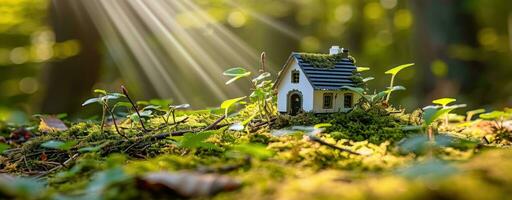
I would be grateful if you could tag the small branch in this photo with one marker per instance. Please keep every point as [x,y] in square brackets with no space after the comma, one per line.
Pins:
[115,123]
[318,140]
[214,123]
[64,164]
[125,92]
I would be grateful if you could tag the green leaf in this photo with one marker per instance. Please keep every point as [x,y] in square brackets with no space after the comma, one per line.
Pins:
[123,104]
[431,114]
[230,102]
[237,71]
[261,77]
[444,101]
[54,144]
[493,115]
[322,125]
[197,140]
[397,69]
[362,69]
[254,150]
[3,147]
[357,90]
[368,79]
[90,101]
[181,106]
[234,79]
[100,91]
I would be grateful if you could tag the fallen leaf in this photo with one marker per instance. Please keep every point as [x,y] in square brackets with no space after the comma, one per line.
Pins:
[43,157]
[188,184]
[51,124]
[20,135]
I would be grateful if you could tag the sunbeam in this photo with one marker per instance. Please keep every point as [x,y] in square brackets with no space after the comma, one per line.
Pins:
[178,60]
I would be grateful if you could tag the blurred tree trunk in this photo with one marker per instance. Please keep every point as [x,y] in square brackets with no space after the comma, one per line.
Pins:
[441,25]
[70,81]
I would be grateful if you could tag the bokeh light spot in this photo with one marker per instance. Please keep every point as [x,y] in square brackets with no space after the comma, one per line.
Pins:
[19,55]
[439,68]
[403,19]
[388,4]
[373,11]
[28,85]
[343,13]
[310,43]
[237,19]
[487,37]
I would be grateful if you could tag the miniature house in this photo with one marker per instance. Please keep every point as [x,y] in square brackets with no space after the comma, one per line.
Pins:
[314,83]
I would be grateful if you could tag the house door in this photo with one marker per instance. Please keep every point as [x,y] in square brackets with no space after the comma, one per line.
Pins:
[295,103]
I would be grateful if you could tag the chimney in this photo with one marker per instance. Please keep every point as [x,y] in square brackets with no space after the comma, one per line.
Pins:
[335,50]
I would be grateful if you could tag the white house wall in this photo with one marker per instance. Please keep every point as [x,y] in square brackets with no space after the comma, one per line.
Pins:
[286,85]
[338,104]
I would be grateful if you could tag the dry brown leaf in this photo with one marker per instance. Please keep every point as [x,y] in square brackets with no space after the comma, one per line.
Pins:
[189,184]
[50,124]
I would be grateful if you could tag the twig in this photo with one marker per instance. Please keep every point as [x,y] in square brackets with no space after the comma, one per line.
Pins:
[318,140]
[125,92]
[215,123]
[115,123]
[182,132]
[64,164]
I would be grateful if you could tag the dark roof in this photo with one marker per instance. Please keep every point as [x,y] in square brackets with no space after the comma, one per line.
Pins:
[328,78]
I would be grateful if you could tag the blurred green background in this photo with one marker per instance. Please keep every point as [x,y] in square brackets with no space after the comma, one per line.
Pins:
[52,55]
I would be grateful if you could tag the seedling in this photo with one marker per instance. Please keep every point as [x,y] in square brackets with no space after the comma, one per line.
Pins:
[262,93]
[443,102]
[103,99]
[172,111]
[393,73]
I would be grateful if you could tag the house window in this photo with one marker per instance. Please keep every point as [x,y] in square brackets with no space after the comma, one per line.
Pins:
[347,100]
[295,76]
[327,100]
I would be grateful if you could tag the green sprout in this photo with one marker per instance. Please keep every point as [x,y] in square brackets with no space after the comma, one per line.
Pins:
[443,102]
[393,73]
[262,92]
[103,99]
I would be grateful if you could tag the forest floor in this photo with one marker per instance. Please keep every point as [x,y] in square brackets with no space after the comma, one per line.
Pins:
[373,153]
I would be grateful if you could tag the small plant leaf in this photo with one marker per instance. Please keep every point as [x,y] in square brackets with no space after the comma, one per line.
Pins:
[59,145]
[100,91]
[181,106]
[3,147]
[90,101]
[230,102]
[50,124]
[237,71]
[397,69]
[444,101]
[493,115]
[322,125]
[431,114]
[368,79]
[197,140]
[357,90]
[261,77]
[362,69]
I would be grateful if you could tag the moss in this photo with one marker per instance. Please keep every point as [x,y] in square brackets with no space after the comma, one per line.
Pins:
[322,60]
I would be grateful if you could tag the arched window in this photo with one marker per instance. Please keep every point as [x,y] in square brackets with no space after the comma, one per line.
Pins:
[295,76]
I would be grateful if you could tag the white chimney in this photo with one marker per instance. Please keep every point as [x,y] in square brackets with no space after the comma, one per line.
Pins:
[335,50]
